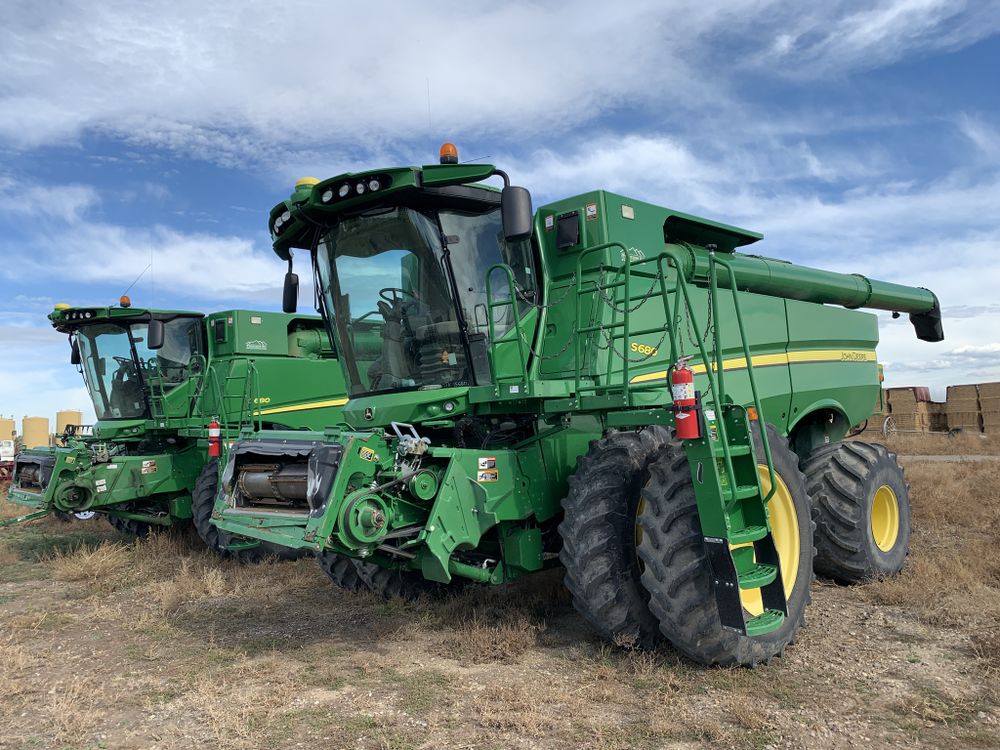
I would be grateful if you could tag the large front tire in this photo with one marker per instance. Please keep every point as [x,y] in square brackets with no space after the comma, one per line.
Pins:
[676,569]
[861,505]
[599,536]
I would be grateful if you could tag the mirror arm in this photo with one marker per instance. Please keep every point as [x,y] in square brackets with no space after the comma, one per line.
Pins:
[503,175]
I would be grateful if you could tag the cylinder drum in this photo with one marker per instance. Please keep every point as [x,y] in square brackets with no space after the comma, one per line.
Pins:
[67,417]
[35,431]
[285,483]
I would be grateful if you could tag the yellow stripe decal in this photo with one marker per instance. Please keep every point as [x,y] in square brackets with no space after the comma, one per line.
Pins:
[302,407]
[769,360]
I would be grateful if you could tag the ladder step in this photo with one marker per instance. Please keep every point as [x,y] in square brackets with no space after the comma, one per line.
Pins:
[734,450]
[766,622]
[747,534]
[743,492]
[759,575]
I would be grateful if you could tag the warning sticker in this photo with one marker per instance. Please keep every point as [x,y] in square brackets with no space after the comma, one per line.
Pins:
[487,462]
[683,391]
[489,475]
[101,485]
[367,454]
[71,459]
[149,467]
[550,223]
[591,211]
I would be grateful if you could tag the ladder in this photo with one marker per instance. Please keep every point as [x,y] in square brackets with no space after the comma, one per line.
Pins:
[236,408]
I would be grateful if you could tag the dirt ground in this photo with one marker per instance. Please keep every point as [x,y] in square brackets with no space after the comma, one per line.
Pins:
[108,643]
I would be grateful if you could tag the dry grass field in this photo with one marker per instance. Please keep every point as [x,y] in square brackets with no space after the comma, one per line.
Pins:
[938,443]
[106,643]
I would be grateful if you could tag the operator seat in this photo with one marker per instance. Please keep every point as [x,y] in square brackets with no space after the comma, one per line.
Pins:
[393,363]
[126,394]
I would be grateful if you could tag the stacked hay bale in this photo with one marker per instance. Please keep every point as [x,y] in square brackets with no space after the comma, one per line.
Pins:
[989,407]
[909,408]
[963,407]
[938,415]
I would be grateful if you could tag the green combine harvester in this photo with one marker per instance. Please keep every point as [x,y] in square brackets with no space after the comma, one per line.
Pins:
[604,385]
[170,390]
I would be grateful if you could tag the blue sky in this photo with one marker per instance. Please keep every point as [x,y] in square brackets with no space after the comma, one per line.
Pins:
[857,136]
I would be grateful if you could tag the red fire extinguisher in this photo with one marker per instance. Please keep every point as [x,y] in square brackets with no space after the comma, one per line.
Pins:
[685,403]
[214,438]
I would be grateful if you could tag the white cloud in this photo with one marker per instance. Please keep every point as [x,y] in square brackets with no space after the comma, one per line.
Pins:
[66,203]
[985,137]
[189,264]
[836,38]
[184,73]
[228,80]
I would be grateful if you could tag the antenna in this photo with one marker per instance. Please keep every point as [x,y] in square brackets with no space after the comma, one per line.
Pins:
[137,278]
[430,127]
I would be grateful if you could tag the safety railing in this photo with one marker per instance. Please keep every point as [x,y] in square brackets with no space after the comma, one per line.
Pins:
[622,329]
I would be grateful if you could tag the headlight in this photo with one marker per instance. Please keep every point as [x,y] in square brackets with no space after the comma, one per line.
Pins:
[344,190]
[327,195]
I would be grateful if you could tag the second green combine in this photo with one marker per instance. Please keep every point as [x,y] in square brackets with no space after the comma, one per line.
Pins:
[170,391]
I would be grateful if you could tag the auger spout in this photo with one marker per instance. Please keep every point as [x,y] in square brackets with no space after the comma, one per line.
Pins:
[779,278]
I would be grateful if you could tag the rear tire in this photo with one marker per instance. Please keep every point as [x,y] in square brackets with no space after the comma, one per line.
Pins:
[203,505]
[397,583]
[677,572]
[342,571]
[861,506]
[130,526]
[388,583]
[599,536]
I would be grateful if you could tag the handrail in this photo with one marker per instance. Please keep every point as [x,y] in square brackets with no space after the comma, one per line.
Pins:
[714,365]
[715,260]
[512,302]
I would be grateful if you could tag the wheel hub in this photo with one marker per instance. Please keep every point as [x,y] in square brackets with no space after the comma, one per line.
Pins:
[885,518]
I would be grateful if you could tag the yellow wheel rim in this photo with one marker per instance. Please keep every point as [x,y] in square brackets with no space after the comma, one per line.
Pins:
[785,531]
[885,518]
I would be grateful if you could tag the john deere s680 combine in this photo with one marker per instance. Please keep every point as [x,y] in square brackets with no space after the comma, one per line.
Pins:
[169,390]
[605,385]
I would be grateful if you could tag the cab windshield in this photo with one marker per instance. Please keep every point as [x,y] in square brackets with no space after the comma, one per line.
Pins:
[387,277]
[120,371]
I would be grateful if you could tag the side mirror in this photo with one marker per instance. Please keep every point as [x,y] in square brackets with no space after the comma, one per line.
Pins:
[290,295]
[74,352]
[154,335]
[515,210]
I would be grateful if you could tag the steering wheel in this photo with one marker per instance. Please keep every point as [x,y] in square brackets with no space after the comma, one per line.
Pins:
[397,293]
[124,361]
